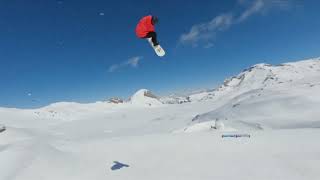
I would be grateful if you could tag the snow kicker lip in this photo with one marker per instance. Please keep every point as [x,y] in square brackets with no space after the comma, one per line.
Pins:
[235,135]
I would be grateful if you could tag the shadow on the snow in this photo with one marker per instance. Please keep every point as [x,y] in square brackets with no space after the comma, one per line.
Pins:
[118,165]
[2,129]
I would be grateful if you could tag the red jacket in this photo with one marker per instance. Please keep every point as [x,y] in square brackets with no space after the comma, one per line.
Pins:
[144,26]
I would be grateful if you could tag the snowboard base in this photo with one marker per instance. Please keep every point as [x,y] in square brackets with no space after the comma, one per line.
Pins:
[158,49]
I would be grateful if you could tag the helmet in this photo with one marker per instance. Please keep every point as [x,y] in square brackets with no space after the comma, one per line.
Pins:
[155,20]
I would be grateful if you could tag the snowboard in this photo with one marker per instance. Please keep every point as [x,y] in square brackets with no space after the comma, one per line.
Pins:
[158,49]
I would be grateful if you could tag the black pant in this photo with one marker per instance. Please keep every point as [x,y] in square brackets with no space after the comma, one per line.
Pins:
[153,36]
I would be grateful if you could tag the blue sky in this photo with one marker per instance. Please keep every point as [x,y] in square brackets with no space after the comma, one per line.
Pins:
[85,51]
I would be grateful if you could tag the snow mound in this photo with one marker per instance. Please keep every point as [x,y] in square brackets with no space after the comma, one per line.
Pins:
[144,97]
[211,125]
[200,127]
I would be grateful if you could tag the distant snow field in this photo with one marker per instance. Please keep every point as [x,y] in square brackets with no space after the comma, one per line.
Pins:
[175,137]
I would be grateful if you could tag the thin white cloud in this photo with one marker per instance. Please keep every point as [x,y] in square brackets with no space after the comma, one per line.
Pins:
[113,67]
[205,33]
[256,7]
[132,62]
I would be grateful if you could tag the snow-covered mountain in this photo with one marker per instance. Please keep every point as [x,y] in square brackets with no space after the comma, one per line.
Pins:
[262,76]
[155,136]
[144,97]
[263,90]
[266,96]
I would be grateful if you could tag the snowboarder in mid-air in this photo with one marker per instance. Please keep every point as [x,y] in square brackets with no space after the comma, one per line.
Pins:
[146,30]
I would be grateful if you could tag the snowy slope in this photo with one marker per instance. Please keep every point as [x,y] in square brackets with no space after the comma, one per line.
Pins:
[265,96]
[176,137]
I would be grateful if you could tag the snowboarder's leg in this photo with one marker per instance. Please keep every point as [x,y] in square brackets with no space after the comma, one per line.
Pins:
[153,36]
